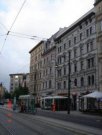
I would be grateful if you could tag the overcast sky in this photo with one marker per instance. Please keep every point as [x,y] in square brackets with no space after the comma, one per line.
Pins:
[40,18]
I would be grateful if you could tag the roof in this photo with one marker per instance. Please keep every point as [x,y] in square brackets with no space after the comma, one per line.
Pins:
[18,74]
[42,41]
[26,97]
[96,2]
[79,21]
[54,97]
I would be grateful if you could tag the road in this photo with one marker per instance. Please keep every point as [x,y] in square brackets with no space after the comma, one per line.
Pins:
[13,123]
[85,120]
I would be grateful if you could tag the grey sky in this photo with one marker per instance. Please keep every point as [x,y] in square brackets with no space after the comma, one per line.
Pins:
[40,18]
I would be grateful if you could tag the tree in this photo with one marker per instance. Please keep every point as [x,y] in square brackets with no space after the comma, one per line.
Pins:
[20,91]
[7,95]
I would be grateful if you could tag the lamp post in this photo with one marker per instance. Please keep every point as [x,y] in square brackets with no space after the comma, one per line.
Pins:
[68,107]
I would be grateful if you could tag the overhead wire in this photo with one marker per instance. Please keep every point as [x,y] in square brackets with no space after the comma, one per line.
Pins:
[17,15]
[12,25]
[21,35]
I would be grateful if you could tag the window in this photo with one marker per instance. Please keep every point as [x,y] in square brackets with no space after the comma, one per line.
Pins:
[59,60]
[88,47]
[87,32]
[80,26]
[82,81]
[91,45]
[64,70]
[90,62]
[90,30]
[75,82]
[59,72]
[82,65]
[75,67]
[81,50]
[40,75]
[64,84]
[81,36]
[64,46]
[86,22]
[64,57]
[89,81]
[44,61]
[93,80]
[74,40]
[50,84]
[46,72]
[69,43]
[60,48]
[46,84]
[50,70]
[90,20]
[101,25]
[59,85]
[75,52]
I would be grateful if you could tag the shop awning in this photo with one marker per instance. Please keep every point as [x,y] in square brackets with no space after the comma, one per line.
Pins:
[95,94]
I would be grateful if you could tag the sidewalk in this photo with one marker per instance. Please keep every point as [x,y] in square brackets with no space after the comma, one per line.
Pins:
[75,113]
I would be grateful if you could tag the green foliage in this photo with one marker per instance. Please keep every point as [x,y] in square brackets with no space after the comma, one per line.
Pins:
[20,91]
[7,95]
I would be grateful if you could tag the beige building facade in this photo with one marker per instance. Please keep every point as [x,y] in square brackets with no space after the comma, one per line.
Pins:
[36,70]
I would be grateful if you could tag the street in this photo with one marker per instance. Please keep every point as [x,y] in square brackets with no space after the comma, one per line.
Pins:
[75,117]
[21,124]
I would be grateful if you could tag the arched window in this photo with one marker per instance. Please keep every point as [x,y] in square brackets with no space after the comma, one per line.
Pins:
[82,81]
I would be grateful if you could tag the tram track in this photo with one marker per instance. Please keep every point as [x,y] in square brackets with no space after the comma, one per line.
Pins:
[20,119]
[44,128]
[31,122]
[23,118]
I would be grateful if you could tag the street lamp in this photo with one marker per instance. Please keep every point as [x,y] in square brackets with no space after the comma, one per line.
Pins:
[69,81]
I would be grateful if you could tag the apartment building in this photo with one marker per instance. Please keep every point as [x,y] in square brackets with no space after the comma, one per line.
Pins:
[80,41]
[19,79]
[36,70]
[48,72]
[98,9]
[80,45]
